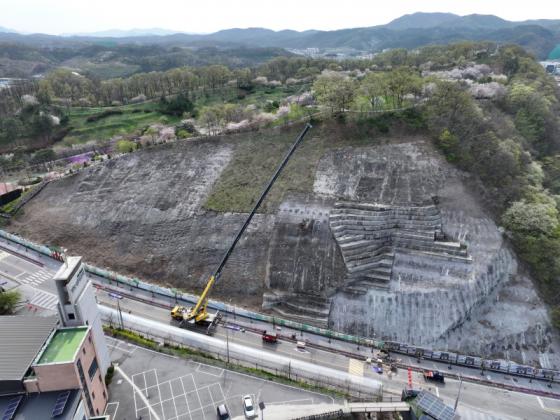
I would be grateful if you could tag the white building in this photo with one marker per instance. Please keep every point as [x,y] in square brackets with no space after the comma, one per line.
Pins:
[77,305]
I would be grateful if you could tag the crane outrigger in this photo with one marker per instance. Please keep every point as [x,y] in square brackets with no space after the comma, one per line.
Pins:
[198,314]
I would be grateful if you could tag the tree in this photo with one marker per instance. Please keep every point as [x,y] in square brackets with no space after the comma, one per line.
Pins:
[212,118]
[401,82]
[42,126]
[373,87]
[335,91]
[9,301]
[43,155]
[176,106]
[531,218]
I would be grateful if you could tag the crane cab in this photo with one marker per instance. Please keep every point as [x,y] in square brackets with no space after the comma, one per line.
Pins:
[177,312]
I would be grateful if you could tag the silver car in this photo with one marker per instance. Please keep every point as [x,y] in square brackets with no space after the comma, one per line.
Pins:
[249,407]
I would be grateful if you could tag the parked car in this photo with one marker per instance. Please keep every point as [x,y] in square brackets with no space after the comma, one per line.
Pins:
[223,412]
[249,407]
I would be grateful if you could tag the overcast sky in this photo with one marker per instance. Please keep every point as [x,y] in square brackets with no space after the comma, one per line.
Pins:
[65,16]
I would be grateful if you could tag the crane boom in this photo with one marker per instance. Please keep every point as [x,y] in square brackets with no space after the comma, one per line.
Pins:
[198,312]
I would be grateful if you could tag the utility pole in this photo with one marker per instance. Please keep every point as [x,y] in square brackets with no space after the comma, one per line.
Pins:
[227,343]
[118,298]
[458,393]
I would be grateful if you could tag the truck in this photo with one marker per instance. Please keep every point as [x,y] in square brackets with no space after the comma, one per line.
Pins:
[269,337]
[198,315]
[208,324]
[433,376]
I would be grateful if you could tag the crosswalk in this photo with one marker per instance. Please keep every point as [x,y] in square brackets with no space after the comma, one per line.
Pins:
[355,367]
[44,300]
[36,278]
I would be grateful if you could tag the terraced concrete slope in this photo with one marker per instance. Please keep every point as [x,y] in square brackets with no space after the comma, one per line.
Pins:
[369,235]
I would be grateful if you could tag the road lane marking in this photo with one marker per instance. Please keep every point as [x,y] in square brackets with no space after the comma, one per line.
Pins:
[355,367]
[545,408]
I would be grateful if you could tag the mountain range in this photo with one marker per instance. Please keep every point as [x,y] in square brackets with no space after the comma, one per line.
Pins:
[408,31]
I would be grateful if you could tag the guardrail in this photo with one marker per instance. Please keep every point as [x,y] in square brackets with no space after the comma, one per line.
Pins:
[452,358]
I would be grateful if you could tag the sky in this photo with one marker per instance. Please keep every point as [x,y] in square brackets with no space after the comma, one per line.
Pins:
[205,16]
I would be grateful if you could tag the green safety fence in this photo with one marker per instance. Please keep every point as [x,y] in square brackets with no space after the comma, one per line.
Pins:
[178,295]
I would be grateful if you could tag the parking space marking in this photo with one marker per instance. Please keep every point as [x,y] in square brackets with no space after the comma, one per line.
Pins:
[135,389]
[208,370]
[306,400]
[170,401]
[111,412]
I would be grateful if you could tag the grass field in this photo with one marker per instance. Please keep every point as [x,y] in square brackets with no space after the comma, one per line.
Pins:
[258,154]
[133,118]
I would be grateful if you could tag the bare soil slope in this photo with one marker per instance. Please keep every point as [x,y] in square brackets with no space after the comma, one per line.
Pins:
[167,214]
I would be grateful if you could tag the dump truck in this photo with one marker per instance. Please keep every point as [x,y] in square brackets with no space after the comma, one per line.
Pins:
[269,337]
[433,376]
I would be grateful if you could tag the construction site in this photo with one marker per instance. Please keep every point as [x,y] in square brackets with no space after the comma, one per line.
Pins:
[368,234]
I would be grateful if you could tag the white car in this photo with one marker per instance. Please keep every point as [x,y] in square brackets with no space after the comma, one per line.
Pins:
[249,407]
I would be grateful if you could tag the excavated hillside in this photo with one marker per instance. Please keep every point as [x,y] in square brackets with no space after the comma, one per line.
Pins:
[369,234]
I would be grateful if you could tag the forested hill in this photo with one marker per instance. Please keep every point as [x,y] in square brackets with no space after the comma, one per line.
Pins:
[539,37]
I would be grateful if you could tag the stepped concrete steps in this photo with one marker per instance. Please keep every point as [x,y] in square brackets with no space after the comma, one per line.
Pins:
[305,319]
[382,259]
[372,250]
[344,239]
[365,242]
[307,310]
[335,216]
[372,268]
[431,248]
[361,286]
[385,217]
[426,236]
[383,207]
[447,257]
[385,266]
[369,214]
[355,290]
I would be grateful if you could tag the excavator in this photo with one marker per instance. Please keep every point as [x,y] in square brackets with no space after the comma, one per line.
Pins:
[198,316]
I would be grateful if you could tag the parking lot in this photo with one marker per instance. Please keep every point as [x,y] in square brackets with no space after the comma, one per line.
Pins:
[153,385]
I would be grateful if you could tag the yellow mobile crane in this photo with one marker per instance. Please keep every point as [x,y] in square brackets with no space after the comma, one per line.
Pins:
[198,314]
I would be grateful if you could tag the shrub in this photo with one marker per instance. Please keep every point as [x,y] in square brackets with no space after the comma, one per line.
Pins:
[104,114]
[8,301]
[126,146]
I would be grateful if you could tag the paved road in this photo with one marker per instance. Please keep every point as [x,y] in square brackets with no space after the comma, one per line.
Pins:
[476,400]
[182,389]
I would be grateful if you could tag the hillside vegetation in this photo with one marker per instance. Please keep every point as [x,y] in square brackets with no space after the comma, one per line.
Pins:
[492,111]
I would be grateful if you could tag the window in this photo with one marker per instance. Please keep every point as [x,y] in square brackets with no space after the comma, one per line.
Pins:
[71,316]
[84,386]
[97,411]
[93,396]
[92,369]
[104,395]
[89,336]
[84,350]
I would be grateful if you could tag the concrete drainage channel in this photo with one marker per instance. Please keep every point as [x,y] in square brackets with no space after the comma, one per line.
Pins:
[154,290]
